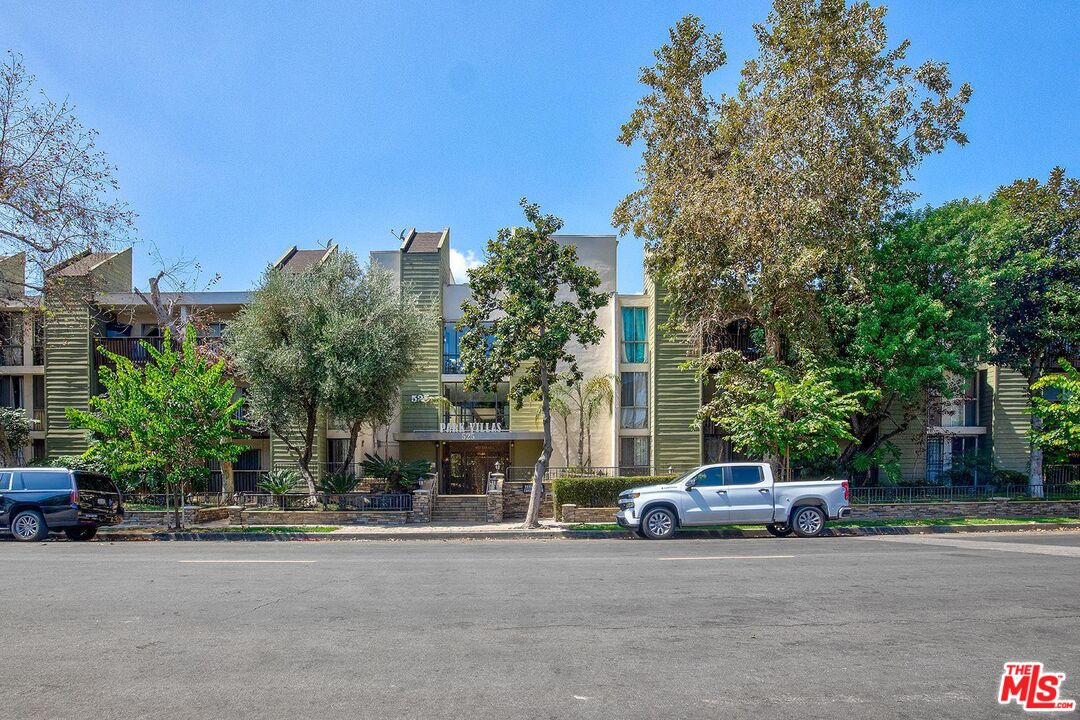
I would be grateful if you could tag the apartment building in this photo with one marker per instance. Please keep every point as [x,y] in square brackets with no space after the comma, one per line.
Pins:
[50,361]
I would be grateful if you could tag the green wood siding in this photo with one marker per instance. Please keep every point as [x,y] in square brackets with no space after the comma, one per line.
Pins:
[67,374]
[674,395]
[1011,421]
[911,443]
[422,274]
[282,457]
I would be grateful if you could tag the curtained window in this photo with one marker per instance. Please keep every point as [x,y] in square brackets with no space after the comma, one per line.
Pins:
[634,400]
[634,334]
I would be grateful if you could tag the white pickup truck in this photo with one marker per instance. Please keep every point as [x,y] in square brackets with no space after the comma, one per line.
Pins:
[733,494]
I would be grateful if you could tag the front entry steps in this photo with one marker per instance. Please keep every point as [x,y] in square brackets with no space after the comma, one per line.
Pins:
[461,508]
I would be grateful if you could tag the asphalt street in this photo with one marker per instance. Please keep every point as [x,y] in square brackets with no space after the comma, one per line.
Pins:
[851,627]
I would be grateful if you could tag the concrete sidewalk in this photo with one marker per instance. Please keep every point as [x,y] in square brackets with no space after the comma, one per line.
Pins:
[550,531]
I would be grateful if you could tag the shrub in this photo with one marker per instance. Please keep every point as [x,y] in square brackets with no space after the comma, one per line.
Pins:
[401,476]
[337,483]
[1004,478]
[597,491]
[280,481]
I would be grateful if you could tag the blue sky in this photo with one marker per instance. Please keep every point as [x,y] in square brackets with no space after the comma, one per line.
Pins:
[242,128]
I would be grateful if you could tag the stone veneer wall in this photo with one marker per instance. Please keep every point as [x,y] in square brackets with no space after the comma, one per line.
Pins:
[898,511]
[311,517]
[516,503]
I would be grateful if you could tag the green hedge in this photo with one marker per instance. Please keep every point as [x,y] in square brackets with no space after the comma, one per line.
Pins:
[597,491]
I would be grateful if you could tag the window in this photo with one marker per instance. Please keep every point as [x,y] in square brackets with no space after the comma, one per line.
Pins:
[475,411]
[634,400]
[634,334]
[46,480]
[248,460]
[962,410]
[115,329]
[710,477]
[745,475]
[97,483]
[336,449]
[11,391]
[452,348]
[5,481]
[935,459]
[633,453]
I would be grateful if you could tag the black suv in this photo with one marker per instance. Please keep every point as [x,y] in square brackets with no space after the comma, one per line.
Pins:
[37,501]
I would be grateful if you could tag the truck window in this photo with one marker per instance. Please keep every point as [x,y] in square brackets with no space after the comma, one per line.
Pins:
[710,477]
[100,483]
[745,475]
[46,480]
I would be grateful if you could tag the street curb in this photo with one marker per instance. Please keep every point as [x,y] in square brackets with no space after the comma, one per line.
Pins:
[565,534]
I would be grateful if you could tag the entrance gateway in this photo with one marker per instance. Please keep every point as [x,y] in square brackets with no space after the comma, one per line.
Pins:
[465,465]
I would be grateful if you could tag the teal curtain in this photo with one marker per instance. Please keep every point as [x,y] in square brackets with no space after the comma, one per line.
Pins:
[634,333]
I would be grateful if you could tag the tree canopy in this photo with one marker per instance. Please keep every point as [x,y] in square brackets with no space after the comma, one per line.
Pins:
[167,419]
[336,338]
[530,299]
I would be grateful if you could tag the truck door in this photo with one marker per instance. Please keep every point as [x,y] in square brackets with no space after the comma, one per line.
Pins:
[706,503]
[749,494]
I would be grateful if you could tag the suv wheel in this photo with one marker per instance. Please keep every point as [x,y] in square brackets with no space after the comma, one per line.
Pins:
[778,530]
[81,533]
[808,521]
[658,524]
[29,526]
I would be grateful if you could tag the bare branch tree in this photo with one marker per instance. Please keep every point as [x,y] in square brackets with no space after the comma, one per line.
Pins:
[57,190]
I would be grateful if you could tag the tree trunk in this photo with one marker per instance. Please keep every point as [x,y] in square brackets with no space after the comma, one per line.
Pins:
[588,444]
[178,507]
[1035,462]
[581,440]
[566,439]
[350,451]
[532,516]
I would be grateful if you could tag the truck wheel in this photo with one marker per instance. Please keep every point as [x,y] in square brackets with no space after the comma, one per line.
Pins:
[778,530]
[81,533]
[808,521]
[29,526]
[658,524]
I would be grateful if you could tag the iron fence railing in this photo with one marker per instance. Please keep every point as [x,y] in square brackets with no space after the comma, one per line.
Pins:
[526,473]
[961,493]
[1055,474]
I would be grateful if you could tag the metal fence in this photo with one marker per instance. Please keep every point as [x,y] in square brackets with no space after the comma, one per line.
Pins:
[526,473]
[961,493]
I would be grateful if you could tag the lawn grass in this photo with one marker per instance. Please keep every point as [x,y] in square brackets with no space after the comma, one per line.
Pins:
[865,523]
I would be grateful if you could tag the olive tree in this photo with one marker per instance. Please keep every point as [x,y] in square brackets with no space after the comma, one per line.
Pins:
[336,338]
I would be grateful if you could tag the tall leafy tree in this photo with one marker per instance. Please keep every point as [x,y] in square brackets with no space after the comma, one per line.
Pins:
[167,419]
[1057,404]
[750,202]
[1031,251]
[532,298]
[335,338]
[793,417]
[913,319]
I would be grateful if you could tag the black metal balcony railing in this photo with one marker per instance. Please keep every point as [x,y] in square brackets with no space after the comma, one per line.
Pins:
[38,353]
[134,348]
[11,355]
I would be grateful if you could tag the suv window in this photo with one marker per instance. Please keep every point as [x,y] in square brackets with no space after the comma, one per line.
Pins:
[46,480]
[745,475]
[5,481]
[99,483]
[710,477]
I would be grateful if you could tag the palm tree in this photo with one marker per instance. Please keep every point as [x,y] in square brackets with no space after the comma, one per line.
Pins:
[582,398]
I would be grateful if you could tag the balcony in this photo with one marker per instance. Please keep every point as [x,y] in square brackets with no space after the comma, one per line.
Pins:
[133,348]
